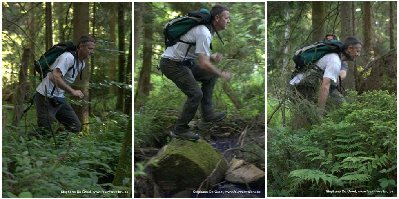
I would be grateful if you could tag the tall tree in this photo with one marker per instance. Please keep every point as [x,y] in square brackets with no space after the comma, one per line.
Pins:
[391,25]
[112,35]
[49,26]
[137,29]
[124,169]
[93,33]
[367,32]
[367,50]
[22,87]
[347,29]
[318,20]
[81,27]
[60,10]
[346,19]
[31,24]
[129,77]
[143,85]
[122,59]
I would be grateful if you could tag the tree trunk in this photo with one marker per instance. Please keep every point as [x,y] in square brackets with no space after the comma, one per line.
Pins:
[129,77]
[138,26]
[124,169]
[286,49]
[346,19]
[347,30]
[121,43]
[144,85]
[391,26]
[81,27]
[367,32]
[92,64]
[49,26]
[21,90]
[32,35]
[318,18]
[60,10]
[112,34]
[138,17]
[367,50]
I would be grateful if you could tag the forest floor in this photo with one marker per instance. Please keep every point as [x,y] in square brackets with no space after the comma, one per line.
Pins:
[235,137]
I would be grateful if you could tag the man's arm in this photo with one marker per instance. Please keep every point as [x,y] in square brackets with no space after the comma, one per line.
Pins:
[56,78]
[323,92]
[205,63]
[342,74]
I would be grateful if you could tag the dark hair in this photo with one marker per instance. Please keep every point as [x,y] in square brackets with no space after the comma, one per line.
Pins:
[85,39]
[332,35]
[350,41]
[217,9]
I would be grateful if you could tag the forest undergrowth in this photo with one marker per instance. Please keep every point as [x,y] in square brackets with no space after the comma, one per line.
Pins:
[66,165]
[156,118]
[350,152]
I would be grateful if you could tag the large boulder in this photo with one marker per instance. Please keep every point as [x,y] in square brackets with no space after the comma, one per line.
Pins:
[186,165]
[242,172]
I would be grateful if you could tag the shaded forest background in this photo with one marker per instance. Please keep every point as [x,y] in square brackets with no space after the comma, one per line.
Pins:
[353,148]
[98,160]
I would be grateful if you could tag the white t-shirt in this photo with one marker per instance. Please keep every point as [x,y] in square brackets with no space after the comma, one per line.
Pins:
[329,63]
[64,62]
[200,35]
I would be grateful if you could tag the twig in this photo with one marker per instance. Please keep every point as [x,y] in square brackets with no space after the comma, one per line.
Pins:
[209,176]
[241,141]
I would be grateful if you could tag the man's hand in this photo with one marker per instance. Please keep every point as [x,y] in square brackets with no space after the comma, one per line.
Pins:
[226,75]
[77,93]
[217,57]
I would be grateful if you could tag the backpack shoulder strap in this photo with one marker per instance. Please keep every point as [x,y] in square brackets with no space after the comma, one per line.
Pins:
[220,38]
[75,62]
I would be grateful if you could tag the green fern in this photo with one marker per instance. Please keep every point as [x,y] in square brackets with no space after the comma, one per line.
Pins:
[354,178]
[302,175]
[354,148]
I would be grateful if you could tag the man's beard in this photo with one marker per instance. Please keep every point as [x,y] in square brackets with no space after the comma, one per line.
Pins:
[347,56]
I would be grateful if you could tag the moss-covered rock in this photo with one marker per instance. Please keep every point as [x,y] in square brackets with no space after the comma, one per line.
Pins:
[184,165]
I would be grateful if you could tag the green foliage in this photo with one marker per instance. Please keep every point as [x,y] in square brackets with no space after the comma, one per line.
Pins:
[352,148]
[77,162]
[158,114]
[315,176]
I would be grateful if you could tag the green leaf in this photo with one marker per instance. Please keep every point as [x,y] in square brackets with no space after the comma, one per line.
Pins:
[11,195]
[25,194]
[384,183]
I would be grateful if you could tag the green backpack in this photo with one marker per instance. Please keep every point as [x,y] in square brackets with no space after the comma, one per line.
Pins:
[179,26]
[309,55]
[42,65]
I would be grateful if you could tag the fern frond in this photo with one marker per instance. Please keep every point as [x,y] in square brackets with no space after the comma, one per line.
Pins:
[350,154]
[302,175]
[355,178]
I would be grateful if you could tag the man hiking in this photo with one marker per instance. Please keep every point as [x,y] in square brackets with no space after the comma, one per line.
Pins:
[50,99]
[336,89]
[314,83]
[185,65]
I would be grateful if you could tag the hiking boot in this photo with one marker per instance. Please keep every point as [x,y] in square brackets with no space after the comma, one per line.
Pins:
[208,122]
[189,135]
[216,117]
